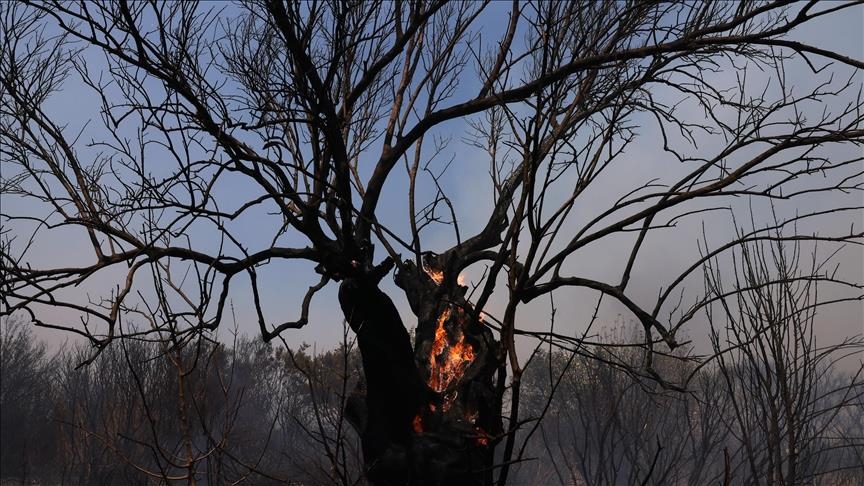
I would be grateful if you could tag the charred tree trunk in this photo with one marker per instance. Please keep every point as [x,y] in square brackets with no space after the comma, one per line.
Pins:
[456,356]
[393,390]
[427,415]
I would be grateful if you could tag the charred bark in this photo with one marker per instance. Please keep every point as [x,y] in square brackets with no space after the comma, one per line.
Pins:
[423,420]
[456,358]
[394,392]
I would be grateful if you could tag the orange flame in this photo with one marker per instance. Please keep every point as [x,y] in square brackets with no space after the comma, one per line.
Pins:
[447,362]
[449,357]
[435,274]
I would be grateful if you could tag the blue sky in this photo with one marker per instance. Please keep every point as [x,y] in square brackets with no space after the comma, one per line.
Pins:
[468,185]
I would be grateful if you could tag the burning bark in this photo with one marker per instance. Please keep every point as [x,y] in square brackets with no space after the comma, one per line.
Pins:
[456,355]
[447,362]
[427,415]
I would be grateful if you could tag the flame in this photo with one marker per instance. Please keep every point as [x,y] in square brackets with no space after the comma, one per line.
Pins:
[450,355]
[447,362]
[440,341]
[461,279]
[435,274]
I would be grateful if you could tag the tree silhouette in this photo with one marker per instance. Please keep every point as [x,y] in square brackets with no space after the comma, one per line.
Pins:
[235,137]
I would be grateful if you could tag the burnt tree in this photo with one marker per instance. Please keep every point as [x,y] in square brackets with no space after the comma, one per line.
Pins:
[221,142]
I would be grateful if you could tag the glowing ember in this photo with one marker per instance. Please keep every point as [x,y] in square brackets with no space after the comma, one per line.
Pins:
[482,437]
[447,362]
[417,424]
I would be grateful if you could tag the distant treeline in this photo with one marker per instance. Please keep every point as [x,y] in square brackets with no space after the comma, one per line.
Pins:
[246,412]
[148,413]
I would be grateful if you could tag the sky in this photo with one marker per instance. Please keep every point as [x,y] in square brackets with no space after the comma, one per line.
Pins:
[468,185]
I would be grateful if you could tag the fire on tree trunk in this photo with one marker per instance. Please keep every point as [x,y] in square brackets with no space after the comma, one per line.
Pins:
[426,417]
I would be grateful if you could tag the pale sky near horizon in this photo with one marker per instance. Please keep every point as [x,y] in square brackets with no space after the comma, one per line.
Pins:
[468,186]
